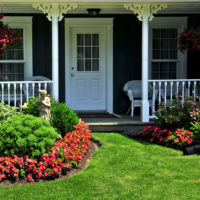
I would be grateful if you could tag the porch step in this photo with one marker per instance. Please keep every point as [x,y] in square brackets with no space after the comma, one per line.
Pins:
[122,124]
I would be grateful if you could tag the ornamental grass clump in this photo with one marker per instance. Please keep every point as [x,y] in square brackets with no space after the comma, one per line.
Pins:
[26,135]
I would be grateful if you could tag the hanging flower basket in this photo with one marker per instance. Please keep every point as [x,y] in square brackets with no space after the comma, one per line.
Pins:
[189,40]
[8,37]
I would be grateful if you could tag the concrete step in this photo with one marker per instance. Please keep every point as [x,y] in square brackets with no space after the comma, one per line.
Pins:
[114,126]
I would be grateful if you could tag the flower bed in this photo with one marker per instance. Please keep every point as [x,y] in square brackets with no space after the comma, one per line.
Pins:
[179,138]
[65,154]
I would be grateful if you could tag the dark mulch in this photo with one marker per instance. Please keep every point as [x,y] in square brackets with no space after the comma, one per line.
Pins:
[93,147]
[96,115]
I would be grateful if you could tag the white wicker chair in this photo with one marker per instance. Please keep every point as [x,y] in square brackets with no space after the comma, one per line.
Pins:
[134,91]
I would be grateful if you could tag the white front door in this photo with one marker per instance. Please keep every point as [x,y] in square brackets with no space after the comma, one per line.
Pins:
[88,69]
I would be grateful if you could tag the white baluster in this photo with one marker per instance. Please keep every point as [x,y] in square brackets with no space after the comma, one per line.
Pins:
[154,98]
[33,89]
[2,91]
[194,91]
[189,84]
[45,86]
[27,93]
[171,89]
[183,88]
[177,85]
[159,91]
[20,93]
[165,95]
[8,93]
[14,94]
[39,86]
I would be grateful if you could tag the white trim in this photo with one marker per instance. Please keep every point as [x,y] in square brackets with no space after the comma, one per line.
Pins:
[106,23]
[26,24]
[170,22]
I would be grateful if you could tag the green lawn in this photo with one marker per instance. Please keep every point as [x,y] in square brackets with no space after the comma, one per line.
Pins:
[122,168]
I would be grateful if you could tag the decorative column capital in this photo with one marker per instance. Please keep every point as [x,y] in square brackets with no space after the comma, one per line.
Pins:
[54,9]
[145,10]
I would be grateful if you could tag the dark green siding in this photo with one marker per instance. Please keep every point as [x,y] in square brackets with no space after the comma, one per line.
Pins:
[42,51]
[127,57]
[193,66]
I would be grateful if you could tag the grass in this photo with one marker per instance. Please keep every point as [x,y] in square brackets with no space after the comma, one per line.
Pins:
[122,169]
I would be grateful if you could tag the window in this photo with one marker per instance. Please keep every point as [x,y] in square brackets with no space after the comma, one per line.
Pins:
[166,61]
[16,64]
[87,52]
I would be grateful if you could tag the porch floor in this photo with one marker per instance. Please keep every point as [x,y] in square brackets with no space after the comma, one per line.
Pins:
[123,123]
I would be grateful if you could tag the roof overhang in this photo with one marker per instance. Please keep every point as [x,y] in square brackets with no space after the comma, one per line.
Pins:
[106,6]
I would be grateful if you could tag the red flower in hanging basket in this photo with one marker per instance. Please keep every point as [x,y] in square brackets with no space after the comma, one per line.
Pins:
[189,40]
[9,38]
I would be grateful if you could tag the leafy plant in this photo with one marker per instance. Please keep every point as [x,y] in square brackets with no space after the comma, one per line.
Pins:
[31,107]
[6,112]
[26,135]
[175,115]
[63,118]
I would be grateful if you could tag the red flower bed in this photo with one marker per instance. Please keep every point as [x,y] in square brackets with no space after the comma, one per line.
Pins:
[179,138]
[66,154]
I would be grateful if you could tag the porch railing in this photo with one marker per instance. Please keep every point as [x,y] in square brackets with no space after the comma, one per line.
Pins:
[165,90]
[17,92]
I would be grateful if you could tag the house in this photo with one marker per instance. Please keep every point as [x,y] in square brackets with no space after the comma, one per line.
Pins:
[90,57]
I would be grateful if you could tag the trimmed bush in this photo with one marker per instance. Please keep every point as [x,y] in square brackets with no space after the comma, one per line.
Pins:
[6,112]
[26,135]
[32,107]
[63,118]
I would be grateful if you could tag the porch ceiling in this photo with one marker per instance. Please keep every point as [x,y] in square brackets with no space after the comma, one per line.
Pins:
[107,7]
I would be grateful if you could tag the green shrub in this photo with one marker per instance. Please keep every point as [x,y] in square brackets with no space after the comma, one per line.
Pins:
[6,112]
[26,135]
[176,115]
[63,118]
[32,107]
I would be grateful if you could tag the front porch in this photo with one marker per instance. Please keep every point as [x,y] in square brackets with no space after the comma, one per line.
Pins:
[47,51]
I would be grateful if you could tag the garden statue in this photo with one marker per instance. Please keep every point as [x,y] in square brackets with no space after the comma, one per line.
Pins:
[44,106]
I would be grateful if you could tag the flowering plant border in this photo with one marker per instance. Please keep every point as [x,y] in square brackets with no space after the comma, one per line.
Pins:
[65,154]
[178,138]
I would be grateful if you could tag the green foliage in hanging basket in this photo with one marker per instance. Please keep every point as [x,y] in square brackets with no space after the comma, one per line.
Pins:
[189,40]
[8,37]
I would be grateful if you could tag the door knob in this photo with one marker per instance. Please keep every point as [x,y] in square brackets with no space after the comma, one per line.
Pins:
[72,75]
[72,68]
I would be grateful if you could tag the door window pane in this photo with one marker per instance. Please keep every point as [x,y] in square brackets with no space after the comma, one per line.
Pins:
[87,52]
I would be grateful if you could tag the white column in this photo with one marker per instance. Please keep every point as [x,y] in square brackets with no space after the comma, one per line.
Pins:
[55,54]
[145,67]
[145,12]
[55,13]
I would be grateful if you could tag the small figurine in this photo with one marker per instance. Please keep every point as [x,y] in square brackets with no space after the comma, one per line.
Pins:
[44,106]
